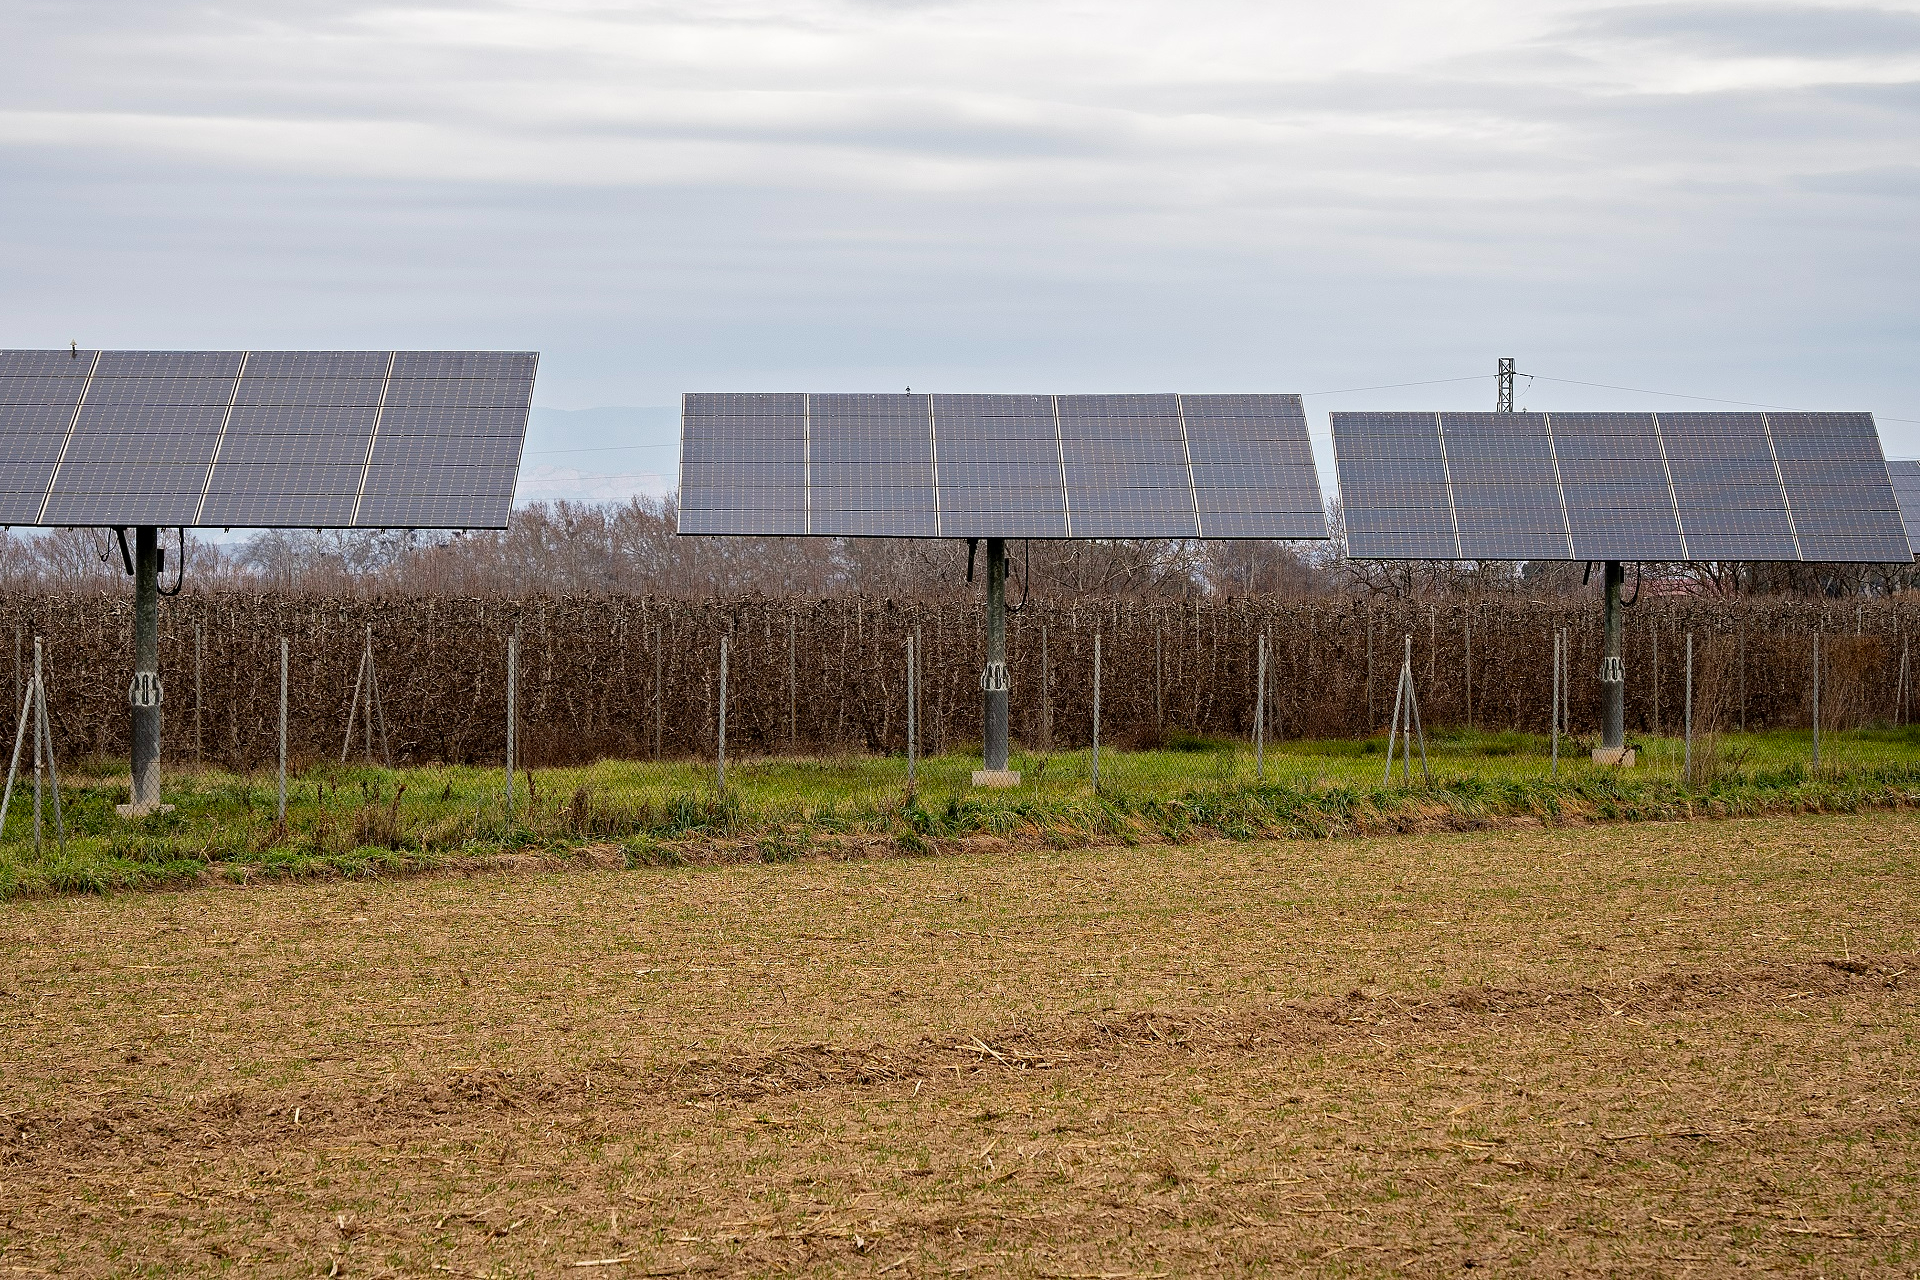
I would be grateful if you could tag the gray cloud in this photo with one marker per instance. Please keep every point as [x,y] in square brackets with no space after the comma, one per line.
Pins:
[1758,30]
[672,196]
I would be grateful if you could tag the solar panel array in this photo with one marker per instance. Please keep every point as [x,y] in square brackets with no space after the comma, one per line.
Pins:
[998,466]
[1905,476]
[1616,486]
[262,439]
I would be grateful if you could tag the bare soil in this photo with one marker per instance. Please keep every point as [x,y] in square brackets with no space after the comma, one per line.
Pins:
[1637,1050]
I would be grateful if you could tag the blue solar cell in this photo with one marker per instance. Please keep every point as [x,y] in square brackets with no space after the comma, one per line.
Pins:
[50,364]
[168,364]
[1252,465]
[1393,486]
[1905,476]
[318,364]
[999,466]
[1504,486]
[63,392]
[137,450]
[871,465]
[309,392]
[517,366]
[1126,466]
[429,511]
[279,510]
[1614,478]
[469,393]
[1843,506]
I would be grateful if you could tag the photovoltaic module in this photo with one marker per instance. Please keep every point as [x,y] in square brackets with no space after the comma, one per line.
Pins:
[998,466]
[1617,486]
[262,439]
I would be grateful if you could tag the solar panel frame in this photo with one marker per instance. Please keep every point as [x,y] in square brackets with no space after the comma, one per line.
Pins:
[1010,466]
[1646,487]
[1398,460]
[261,439]
[1903,476]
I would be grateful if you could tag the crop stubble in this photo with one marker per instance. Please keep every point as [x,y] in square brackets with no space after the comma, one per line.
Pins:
[1642,1049]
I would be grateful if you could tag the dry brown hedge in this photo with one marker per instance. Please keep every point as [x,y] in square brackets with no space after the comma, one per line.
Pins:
[829,674]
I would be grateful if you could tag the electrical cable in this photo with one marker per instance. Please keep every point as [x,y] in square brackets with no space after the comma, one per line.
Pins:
[180,574]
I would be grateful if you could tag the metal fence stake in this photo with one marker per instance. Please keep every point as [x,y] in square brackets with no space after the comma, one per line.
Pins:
[1816,700]
[39,719]
[912,701]
[1554,718]
[513,710]
[723,716]
[283,732]
[1260,716]
[1689,756]
[1096,711]
[46,733]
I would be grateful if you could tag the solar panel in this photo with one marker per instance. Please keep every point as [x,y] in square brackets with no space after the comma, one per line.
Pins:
[257,439]
[1006,466]
[1905,476]
[1616,486]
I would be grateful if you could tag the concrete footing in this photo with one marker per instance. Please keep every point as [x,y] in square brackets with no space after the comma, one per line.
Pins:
[996,777]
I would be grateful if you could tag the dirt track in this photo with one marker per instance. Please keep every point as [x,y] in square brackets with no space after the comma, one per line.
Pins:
[1645,1049]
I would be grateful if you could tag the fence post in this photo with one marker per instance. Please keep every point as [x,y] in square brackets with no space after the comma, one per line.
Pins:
[1096,711]
[723,716]
[659,690]
[199,657]
[39,720]
[46,734]
[1741,633]
[1260,716]
[1553,715]
[1688,766]
[1369,668]
[912,700]
[513,710]
[1159,716]
[282,808]
[1046,694]
[1816,700]
[1468,633]
[793,693]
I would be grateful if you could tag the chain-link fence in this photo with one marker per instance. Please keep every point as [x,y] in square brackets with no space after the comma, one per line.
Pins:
[609,707]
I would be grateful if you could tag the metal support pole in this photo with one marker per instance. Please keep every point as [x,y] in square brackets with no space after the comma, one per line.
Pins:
[1689,756]
[144,694]
[1613,673]
[282,812]
[1816,700]
[659,691]
[1260,716]
[722,755]
[513,711]
[994,681]
[912,700]
[1096,711]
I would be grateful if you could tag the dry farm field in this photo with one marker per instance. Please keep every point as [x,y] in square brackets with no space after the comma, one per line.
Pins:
[1645,1049]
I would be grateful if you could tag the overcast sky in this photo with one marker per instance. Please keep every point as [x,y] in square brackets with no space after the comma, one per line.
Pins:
[1711,199]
